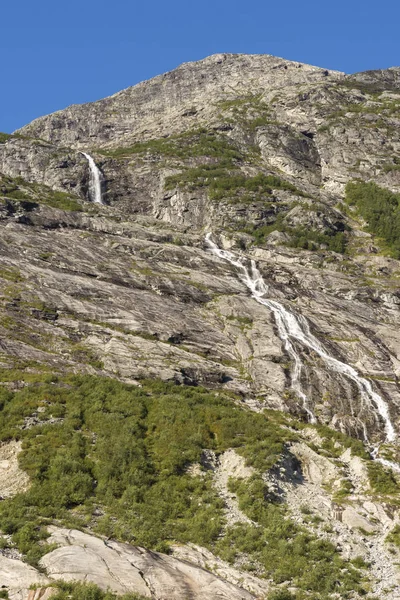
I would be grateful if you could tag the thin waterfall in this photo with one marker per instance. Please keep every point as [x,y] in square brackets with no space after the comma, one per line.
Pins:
[295,327]
[96,180]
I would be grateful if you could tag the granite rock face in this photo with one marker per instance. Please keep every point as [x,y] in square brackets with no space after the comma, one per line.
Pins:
[119,568]
[123,568]
[173,102]
[131,286]
[232,145]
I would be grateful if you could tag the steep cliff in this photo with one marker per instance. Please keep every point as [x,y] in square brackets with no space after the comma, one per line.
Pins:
[291,166]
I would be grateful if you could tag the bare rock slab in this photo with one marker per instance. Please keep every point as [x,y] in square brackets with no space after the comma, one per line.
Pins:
[12,478]
[16,577]
[123,568]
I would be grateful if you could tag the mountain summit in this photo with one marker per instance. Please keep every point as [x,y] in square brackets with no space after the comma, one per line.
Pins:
[199,343]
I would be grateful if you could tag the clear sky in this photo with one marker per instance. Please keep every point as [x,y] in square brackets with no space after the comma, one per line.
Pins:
[54,53]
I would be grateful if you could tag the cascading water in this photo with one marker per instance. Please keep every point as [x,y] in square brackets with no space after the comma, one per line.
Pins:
[96,180]
[295,327]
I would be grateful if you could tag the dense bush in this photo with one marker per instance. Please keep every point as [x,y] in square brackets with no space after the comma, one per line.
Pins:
[394,536]
[122,452]
[250,112]
[284,550]
[126,449]
[310,239]
[380,208]
[334,441]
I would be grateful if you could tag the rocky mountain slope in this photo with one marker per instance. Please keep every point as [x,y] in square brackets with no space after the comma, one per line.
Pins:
[293,167]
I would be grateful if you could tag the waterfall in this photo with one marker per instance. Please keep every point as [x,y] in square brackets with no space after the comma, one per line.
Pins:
[295,327]
[96,180]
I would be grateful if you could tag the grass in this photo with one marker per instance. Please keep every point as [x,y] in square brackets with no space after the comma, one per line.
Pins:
[299,237]
[63,590]
[366,88]
[394,166]
[284,549]
[4,137]
[194,143]
[140,481]
[11,274]
[381,107]
[345,490]
[382,480]
[394,536]
[17,188]
[331,437]
[224,184]
[380,208]
[250,112]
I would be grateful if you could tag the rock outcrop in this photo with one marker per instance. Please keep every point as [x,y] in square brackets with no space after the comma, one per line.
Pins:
[257,150]
[119,568]
[12,478]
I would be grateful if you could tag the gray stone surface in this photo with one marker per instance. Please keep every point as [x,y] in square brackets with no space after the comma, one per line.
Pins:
[17,577]
[12,478]
[129,289]
[124,568]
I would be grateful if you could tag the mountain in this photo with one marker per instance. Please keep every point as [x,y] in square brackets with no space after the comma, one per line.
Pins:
[200,360]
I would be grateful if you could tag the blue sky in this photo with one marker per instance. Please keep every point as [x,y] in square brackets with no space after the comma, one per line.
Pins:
[58,53]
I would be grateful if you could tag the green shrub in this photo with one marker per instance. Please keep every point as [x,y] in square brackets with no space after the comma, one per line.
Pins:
[140,479]
[285,550]
[250,112]
[11,274]
[194,143]
[17,188]
[283,594]
[300,237]
[380,208]
[86,591]
[223,183]
[4,137]
[331,436]
[125,449]
[394,166]
[394,536]
[382,480]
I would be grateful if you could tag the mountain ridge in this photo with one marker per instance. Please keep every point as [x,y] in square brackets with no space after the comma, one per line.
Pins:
[236,447]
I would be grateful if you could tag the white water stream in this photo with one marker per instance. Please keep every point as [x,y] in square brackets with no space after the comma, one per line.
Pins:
[295,327]
[96,180]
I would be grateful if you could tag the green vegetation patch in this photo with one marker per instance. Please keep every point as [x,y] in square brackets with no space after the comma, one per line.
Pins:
[394,166]
[223,183]
[122,452]
[11,274]
[194,143]
[125,449]
[18,188]
[4,137]
[394,536]
[331,437]
[380,106]
[284,550]
[301,237]
[382,480]
[86,591]
[380,208]
[249,111]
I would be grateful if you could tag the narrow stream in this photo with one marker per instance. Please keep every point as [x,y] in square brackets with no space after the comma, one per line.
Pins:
[295,327]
